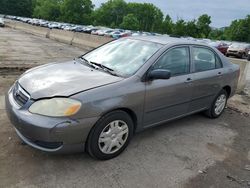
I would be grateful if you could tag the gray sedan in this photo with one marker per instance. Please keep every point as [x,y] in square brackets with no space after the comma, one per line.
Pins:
[98,101]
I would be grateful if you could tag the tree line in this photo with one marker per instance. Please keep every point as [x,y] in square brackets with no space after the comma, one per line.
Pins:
[120,14]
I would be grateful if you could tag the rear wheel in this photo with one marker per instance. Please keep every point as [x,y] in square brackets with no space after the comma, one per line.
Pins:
[218,105]
[244,56]
[110,136]
[248,57]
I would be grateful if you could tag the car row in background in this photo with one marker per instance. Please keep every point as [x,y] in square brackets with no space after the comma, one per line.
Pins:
[95,30]
[228,48]
[234,49]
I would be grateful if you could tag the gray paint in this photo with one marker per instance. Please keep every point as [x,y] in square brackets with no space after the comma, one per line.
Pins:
[150,102]
[63,79]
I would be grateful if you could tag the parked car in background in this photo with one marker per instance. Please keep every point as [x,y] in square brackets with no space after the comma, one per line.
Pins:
[102,32]
[89,30]
[43,23]
[66,27]
[94,31]
[107,32]
[99,100]
[79,29]
[248,56]
[54,25]
[221,46]
[120,34]
[1,22]
[110,33]
[239,50]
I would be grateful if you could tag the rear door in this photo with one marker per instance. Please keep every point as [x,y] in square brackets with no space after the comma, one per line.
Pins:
[207,77]
[167,99]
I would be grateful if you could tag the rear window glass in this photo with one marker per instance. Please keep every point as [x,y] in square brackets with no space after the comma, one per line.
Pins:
[205,59]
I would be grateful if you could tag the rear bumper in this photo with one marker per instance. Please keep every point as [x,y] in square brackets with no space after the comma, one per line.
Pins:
[57,135]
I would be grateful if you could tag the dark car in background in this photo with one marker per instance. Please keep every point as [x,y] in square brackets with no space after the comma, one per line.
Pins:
[239,50]
[221,46]
[99,100]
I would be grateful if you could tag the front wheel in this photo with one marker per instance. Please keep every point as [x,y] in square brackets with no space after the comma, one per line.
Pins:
[218,105]
[110,136]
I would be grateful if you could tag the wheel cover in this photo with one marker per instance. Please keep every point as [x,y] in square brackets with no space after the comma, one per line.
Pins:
[220,104]
[113,137]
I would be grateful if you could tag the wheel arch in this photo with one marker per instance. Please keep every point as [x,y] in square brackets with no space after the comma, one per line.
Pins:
[228,89]
[130,112]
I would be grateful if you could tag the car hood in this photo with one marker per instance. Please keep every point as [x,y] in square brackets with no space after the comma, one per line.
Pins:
[235,49]
[63,79]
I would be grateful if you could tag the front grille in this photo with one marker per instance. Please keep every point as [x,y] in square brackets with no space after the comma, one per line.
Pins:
[21,97]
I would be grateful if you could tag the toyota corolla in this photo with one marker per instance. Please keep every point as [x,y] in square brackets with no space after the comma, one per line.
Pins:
[97,102]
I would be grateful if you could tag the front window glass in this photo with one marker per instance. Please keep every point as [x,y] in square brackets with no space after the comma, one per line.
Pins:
[124,56]
[175,60]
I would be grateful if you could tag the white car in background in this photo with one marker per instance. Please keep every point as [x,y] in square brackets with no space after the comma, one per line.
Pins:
[102,32]
[1,22]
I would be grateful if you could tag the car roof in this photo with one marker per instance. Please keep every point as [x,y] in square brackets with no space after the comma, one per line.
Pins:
[166,40]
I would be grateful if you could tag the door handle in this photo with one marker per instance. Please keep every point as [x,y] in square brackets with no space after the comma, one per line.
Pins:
[188,80]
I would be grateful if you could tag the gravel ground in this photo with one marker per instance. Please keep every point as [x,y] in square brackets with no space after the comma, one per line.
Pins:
[191,152]
[19,49]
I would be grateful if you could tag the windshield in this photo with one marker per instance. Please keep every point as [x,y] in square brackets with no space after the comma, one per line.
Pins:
[124,56]
[236,46]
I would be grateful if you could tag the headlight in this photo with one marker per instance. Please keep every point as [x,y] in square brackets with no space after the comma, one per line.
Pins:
[56,107]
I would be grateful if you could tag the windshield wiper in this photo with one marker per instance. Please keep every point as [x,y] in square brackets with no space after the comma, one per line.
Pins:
[101,65]
[105,68]
[88,63]
[98,66]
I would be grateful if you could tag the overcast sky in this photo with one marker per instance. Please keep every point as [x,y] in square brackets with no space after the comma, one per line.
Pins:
[221,11]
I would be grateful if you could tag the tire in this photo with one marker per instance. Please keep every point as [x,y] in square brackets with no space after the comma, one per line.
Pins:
[241,56]
[248,57]
[108,138]
[214,112]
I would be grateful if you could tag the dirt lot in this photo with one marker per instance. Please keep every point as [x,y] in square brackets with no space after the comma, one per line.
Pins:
[23,50]
[191,152]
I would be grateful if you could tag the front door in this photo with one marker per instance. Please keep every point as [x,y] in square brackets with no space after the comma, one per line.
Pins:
[168,99]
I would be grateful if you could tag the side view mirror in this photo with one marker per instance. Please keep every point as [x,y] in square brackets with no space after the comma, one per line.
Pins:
[159,74]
